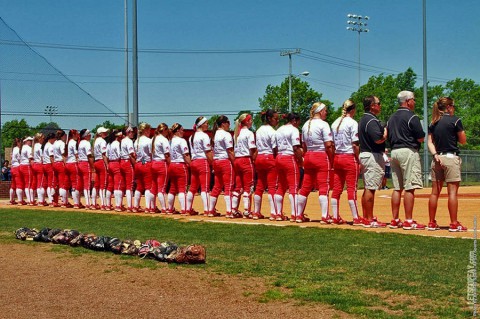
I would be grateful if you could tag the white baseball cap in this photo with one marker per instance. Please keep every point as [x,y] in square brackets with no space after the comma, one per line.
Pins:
[101,130]
[28,138]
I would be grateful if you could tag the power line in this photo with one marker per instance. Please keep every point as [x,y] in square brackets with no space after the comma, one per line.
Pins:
[335,60]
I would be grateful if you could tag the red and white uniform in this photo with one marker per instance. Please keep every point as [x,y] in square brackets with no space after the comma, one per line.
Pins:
[58,163]
[25,168]
[71,166]
[100,149]
[315,133]
[178,170]
[287,136]
[39,180]
[223,168]
[14,164]
[345,165]
[200,169]
[115,179]
[161,147]
[243,165]
[200,173]
[143,167]
[126,167]
[265,167]
[84,169]
[47,166]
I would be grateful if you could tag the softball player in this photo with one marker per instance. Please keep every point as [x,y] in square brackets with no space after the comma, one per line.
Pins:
[288,163]
[202,159]
[48,167]
[319,150]
[160,162]
[265,164]
[15,186]
[59,155]
[115,182]
[85,166]
[71,167]
[178,171]
[25,169]
[127,164]
[143,167]
[37,168]
[346,164]
[223,159]
[101,168]
[245,154]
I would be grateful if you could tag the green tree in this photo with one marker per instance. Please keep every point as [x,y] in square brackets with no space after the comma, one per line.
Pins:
[109,125]
[212,120]
[466,94]
[13,129]
[47,128]
[386,88]
[276,97]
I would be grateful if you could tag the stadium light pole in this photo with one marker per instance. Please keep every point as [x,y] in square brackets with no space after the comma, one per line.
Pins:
[356,24]
[425,92]
[51,110]
[135,65]
[127,111]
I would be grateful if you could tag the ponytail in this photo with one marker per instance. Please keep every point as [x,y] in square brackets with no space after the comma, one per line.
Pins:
[439,108]
[347,107]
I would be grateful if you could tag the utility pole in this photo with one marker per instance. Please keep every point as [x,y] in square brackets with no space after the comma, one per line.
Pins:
[289,53]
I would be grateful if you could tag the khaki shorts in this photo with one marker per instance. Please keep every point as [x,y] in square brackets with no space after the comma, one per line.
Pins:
[449,171]
[406,169]
[373,169]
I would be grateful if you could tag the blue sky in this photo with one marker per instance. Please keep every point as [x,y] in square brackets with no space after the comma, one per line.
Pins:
[197,83]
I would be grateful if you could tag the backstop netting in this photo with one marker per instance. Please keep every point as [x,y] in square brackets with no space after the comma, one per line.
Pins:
[33,89]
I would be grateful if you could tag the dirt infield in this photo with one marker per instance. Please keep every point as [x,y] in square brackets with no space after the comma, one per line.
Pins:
[37,282]
[468,202]
[41,281]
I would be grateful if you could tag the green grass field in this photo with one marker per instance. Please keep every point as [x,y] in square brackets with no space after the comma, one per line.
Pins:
[367,274]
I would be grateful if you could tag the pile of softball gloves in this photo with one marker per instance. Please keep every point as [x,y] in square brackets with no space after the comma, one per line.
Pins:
[165,251]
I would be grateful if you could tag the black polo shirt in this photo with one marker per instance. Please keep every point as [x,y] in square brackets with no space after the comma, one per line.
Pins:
[404,129]
[370,130]
[444,133]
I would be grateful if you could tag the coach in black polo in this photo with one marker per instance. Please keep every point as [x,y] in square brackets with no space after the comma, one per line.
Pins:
[405,134]
[371,135]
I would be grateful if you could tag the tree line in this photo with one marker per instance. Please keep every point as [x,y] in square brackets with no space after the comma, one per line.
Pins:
[465,92]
